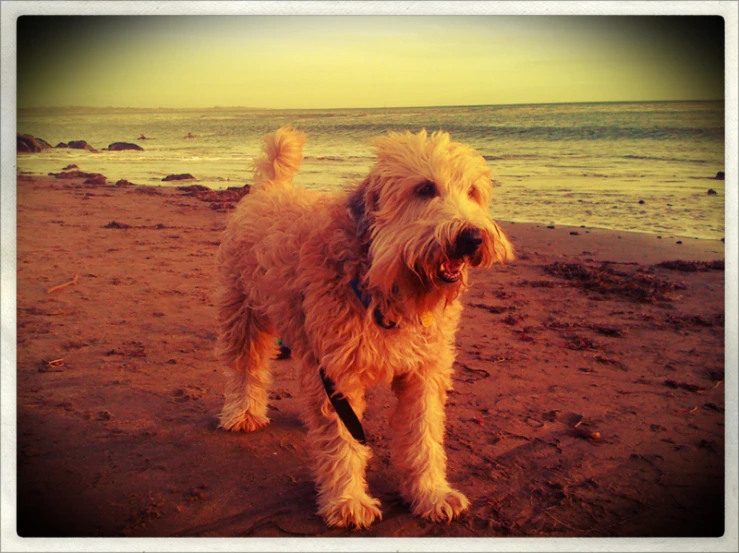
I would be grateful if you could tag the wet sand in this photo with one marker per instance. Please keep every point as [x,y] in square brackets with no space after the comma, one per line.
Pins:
[589,387]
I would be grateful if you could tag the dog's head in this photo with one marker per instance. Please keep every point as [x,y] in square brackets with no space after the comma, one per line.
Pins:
[423,212]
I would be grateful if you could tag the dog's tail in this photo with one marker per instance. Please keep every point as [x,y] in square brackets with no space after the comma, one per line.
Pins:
[282,154]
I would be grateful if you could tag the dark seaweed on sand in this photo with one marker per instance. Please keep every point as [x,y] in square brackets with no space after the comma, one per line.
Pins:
[693,266]
[579,343]
[681,321]
[607,280]
[116,224]
[231,194]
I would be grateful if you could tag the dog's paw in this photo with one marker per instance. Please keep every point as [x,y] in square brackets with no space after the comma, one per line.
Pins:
[440,505]
[246,423]
[352,512]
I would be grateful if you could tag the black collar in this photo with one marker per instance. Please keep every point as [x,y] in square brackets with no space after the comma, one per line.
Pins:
[365,300]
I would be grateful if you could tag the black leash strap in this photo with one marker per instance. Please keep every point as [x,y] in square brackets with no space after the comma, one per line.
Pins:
[343,409]
[340,403]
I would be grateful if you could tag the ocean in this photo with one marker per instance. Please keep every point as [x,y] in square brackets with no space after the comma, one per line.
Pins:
[643,167]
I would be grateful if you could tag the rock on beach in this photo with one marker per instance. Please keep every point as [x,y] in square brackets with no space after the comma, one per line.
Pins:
[27,143]
[81,145]
[182,176]
[78,175]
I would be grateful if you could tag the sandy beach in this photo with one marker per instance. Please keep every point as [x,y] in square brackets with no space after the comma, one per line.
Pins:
[588,400]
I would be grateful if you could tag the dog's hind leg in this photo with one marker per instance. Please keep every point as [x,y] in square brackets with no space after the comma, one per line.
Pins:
[339,461]
[418,448]
[246,345]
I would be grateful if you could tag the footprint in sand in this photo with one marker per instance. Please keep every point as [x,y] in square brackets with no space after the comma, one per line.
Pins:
[182,395]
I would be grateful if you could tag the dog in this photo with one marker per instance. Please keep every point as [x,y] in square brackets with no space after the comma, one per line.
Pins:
[364,285]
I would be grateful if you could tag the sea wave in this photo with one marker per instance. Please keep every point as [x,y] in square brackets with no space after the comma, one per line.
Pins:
[544,158]
[670,159]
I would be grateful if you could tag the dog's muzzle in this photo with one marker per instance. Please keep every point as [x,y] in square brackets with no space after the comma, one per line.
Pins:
[466,246]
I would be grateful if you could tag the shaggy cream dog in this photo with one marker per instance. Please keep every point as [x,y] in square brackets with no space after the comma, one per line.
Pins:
[364,286]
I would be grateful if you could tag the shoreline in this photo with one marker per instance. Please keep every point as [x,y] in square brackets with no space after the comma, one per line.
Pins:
[578,228]
[118,389]
[582,229]
[617,245]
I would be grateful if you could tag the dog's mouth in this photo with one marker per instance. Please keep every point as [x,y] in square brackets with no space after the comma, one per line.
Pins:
[451,270]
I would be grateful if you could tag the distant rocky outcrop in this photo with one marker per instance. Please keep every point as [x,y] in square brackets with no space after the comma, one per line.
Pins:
[81,145]
[27,143]
[711,192]
[117,146]
[720,176]
[182,176]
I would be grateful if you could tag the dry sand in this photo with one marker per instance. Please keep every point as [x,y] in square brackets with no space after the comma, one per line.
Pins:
[583,406]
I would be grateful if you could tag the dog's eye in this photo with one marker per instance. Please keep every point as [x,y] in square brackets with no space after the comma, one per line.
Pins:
[427,190]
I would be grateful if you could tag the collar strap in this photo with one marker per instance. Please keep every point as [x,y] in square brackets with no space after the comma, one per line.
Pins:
[343,409]
[365,300]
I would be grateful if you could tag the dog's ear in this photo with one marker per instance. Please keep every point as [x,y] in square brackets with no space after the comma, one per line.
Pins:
[362,204]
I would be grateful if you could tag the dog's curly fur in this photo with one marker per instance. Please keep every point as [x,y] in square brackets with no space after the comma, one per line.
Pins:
[406,237]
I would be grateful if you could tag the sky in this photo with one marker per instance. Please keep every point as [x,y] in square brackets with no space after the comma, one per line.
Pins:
[310,62]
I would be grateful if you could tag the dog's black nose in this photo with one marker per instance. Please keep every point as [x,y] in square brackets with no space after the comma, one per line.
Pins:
[468,242]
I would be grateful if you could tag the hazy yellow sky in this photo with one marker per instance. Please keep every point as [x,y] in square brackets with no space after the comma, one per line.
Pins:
[365,61]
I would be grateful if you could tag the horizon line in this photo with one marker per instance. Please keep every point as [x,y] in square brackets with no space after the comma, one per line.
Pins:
[372,107]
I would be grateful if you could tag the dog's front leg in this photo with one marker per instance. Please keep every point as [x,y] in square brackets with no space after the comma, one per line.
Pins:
[339,461]
[418,448]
